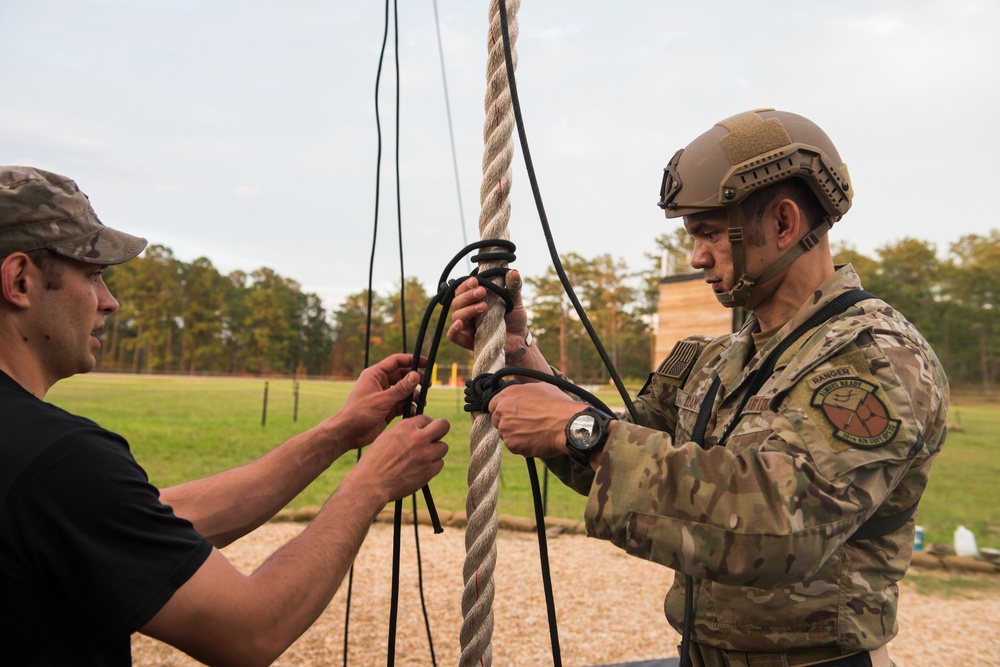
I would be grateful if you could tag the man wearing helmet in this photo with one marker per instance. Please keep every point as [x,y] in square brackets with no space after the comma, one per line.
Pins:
[775,469]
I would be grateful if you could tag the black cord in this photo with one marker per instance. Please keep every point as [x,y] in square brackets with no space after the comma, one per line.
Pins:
[371,275]
[563,278]
[478,393]
[347,612]
[399,201]
[543,555]
[398,509]
[480,390]
[397,522]
[556,262]
[420,580]
[500,250]
[378,179]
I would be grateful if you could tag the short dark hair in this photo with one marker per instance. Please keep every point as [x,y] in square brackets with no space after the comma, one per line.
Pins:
[752,208]
[51,265]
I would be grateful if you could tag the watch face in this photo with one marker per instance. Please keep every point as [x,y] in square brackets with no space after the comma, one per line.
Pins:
[585,431]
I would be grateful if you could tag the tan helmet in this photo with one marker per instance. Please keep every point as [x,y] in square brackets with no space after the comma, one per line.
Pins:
[742,154]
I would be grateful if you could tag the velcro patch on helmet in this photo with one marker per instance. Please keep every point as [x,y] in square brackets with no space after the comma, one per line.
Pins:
[750,136]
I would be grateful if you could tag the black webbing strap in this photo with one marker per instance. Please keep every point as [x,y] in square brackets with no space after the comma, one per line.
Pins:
[760,375]
[698,434]
[877,526]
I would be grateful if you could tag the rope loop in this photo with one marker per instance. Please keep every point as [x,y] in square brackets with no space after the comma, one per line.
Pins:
[480,390]
[447,287]
[499,290]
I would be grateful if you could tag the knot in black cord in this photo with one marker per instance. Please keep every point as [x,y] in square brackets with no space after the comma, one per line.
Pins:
[506,254]
[446,288]
[480,390]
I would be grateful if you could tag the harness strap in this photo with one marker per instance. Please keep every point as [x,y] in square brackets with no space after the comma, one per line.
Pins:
[759,376]
[877,526]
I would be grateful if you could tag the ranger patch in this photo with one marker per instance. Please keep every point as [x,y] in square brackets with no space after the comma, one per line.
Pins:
[858,415]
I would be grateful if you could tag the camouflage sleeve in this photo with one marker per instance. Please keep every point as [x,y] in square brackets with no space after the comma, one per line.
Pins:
[771,514]
[654,406]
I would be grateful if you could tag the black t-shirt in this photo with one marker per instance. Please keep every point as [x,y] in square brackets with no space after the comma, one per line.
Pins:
[88,553]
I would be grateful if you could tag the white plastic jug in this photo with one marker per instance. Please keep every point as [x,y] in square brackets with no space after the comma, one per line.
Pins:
[965,542]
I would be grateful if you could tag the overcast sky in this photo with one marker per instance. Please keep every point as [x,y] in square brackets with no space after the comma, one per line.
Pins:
[245,130]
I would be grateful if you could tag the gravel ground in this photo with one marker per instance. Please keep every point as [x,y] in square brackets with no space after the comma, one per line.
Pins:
[609,607]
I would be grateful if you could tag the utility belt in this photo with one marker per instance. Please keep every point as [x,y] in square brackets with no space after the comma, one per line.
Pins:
[708,656]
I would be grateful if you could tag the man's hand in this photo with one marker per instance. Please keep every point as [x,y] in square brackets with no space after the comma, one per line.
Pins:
[405,457]
[377,398]
[470,302]
[532,418]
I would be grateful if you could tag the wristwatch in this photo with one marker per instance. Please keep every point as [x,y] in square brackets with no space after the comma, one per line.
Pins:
[586,433]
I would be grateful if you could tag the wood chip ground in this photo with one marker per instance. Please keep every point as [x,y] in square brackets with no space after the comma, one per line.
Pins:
[609,608]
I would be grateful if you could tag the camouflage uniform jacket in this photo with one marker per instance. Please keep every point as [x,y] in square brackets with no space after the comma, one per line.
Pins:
[845,428]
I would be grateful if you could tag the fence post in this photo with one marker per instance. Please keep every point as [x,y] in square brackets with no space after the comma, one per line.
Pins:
[263,416]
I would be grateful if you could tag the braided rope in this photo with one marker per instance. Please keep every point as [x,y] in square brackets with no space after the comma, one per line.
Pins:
[484,441]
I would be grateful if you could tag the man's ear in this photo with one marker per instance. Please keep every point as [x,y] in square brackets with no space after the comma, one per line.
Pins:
[788,217]
[15,279]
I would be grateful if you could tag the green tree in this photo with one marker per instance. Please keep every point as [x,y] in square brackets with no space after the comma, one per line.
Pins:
[237,338]
[350,329]
[416,303]
[975,294]
[608,293]
[274,312]
[908,277]
[121,328]
[610,300]
[316,335]
[555,324]
[202,309]
[845,253]
[152,287]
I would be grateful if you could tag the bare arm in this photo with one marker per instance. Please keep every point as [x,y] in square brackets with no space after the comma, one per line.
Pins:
[228,505]
[222,617]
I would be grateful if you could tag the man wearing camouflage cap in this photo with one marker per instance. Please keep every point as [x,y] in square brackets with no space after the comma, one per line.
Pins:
[776,470]
[90,552]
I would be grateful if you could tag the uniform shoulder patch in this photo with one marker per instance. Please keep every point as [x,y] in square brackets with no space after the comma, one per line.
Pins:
[679,361]
[852,406]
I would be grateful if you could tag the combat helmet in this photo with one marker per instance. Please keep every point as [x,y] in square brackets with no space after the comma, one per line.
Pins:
[742,154]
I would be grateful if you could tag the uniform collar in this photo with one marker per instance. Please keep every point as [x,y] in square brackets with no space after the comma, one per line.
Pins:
[742,357]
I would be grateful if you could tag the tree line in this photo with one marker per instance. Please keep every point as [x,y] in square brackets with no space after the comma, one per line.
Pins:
[179,317]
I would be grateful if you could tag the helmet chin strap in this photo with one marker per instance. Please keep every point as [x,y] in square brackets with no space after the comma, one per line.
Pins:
[740,293]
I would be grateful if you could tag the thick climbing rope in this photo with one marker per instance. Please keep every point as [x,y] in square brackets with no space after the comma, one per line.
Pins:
[484,442]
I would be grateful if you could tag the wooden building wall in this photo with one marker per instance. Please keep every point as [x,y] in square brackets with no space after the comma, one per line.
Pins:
[687,307]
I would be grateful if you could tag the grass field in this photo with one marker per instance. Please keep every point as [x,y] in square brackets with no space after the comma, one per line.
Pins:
[183,427]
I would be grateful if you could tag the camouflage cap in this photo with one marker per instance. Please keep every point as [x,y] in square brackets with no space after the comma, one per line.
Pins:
[39,209]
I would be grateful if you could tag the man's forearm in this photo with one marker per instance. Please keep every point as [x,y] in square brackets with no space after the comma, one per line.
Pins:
[228,505]
[222,617]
